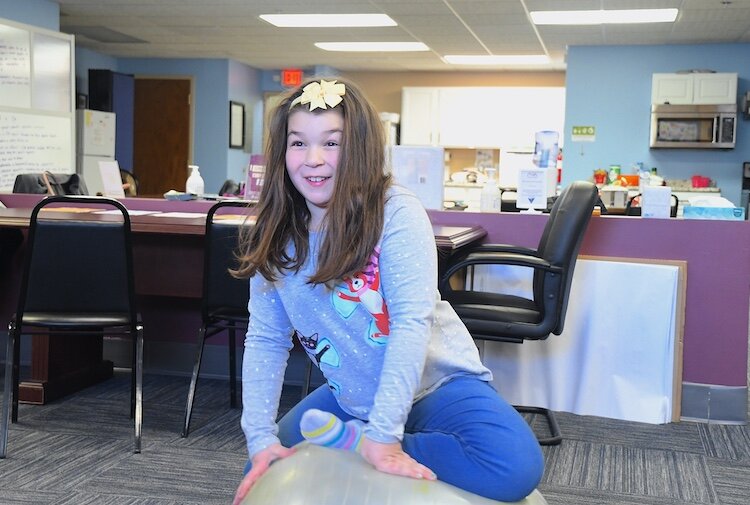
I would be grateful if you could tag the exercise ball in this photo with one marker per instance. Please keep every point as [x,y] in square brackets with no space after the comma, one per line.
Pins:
[317,475]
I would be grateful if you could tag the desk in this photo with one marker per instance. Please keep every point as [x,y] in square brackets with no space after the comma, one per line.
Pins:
[168,263]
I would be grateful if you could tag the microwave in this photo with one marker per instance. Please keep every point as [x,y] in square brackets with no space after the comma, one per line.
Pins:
[693,126]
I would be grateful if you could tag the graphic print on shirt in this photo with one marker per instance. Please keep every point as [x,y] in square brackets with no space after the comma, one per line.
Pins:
[362,290]
[320,349]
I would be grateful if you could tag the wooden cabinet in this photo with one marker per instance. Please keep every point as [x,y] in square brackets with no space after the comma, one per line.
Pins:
[480,117]
[706,88]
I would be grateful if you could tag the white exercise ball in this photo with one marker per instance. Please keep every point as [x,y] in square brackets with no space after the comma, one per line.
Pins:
[317,475]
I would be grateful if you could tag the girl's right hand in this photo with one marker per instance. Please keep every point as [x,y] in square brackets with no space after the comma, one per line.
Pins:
[261,462]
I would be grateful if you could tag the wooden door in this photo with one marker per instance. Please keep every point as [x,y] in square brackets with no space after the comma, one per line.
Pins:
[161,142]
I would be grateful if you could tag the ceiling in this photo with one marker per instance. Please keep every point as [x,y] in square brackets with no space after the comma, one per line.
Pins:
[231,29]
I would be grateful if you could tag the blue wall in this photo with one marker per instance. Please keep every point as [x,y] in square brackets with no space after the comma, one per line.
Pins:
[244,87]
[211,108]
[609,87]
[32,12]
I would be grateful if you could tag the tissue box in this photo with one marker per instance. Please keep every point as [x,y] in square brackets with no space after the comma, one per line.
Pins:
[728,213]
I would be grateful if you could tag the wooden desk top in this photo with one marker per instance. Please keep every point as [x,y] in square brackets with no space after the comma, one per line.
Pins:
[171,223]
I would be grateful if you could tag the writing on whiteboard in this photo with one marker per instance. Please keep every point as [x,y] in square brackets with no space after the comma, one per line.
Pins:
[32,143]
[15,67]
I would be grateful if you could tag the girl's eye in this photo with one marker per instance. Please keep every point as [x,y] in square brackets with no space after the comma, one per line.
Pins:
[332,143]
[295,143]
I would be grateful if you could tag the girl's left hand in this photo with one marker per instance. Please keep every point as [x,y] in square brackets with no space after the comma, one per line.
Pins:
[391,458]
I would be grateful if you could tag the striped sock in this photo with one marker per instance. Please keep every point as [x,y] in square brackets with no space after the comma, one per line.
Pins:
[323,428]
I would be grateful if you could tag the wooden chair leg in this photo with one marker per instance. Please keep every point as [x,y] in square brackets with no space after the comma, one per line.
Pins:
[194,381]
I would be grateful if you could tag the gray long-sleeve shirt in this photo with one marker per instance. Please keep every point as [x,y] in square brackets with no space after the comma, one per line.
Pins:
[382,339]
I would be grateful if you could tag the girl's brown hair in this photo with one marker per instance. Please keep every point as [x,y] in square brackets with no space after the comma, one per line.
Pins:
[354,216]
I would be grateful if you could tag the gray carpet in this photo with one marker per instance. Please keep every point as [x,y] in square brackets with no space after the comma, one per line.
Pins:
[79,451]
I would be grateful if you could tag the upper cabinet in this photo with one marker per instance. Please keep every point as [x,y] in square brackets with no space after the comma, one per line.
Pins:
[480,117]
[419,117]
[694,88]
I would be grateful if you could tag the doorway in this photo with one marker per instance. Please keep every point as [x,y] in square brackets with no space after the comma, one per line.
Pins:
[161,140]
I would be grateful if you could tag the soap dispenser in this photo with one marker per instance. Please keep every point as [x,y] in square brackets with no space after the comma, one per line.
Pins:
[490,197]
[194,184]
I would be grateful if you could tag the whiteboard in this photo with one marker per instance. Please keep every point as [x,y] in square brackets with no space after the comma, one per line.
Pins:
[37,91]
[31,143]
[15,67]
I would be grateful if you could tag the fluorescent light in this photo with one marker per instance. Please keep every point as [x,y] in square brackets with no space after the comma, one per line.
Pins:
[601,17]
[327,20]
[372,46]
[500,59]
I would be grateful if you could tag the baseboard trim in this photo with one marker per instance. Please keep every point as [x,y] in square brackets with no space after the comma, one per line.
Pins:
[710,403]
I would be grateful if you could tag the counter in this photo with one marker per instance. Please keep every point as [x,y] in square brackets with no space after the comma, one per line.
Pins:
[717,294]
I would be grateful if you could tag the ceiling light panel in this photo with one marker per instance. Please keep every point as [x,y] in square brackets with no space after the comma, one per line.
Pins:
[601,17]
[327,20]
[372,46]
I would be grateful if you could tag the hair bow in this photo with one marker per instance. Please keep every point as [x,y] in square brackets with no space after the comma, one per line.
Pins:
[320,94]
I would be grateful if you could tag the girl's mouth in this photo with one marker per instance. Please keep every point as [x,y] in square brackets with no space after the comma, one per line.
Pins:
[317,180]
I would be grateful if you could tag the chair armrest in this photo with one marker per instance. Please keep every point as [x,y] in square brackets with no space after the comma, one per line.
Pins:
[504,248]
[498,258]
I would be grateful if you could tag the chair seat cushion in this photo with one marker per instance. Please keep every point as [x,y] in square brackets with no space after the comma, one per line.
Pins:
[76,320]
[492,316]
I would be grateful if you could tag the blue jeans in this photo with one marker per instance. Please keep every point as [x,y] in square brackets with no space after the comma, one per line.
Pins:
[463,431]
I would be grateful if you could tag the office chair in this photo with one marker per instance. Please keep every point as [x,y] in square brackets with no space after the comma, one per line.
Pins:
[510,318]
[225,298]
[77,280]
[633,207]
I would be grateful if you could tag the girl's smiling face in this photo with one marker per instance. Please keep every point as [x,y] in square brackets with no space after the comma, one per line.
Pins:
[312,153]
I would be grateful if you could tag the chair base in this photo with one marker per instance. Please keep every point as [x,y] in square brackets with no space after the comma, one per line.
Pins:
[555,436]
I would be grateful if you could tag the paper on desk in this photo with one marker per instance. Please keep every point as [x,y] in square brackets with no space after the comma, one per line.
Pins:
[656,201]
[184,215]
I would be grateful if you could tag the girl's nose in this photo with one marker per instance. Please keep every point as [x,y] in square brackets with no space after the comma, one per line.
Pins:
[314,157]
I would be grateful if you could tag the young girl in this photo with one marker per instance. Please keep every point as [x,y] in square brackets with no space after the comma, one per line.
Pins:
[345,262]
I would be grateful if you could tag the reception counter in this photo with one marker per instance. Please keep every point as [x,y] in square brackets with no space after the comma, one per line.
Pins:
[717,295]
[716,255]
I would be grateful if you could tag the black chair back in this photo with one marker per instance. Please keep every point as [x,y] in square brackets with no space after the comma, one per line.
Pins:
[220,289]
[559,245]
[75,265]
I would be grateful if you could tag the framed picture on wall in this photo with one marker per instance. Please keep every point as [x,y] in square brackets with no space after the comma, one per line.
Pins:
[236,125]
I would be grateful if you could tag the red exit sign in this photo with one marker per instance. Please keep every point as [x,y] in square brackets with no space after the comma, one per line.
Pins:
[291,77]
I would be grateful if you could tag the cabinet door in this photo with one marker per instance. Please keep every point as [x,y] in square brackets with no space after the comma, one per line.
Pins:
[419,116]
[672,88]
[468,118]
[715,88]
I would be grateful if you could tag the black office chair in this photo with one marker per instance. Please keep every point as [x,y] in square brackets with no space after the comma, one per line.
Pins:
[633,207]
[78,280]
[509,318]
[225,298]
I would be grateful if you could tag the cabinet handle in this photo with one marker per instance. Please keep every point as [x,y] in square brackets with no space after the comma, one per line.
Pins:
[716,129]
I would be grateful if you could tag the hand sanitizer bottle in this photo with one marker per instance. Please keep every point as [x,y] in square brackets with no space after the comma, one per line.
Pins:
[489,198]
[194,182]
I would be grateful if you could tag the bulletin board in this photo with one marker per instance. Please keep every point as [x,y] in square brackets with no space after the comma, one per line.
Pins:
[37,108]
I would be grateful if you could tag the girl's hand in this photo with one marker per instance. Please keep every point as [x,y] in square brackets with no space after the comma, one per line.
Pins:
[261,462]
[391,458]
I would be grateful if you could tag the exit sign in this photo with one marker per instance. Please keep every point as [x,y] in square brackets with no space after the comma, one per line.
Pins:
[291,77]
[583,134]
